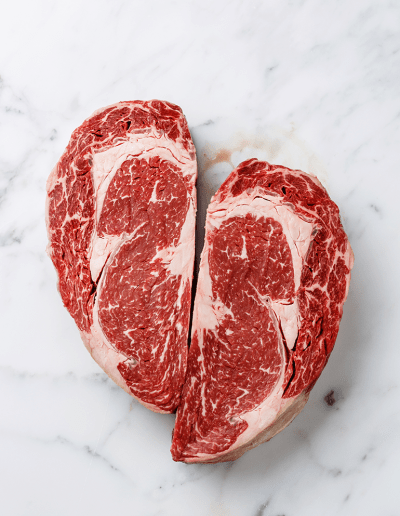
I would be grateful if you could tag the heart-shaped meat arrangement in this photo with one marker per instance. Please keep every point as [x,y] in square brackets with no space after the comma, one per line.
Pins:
[274,274]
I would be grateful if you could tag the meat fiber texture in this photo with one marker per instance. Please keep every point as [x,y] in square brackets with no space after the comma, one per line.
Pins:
[121,206]
[274,274]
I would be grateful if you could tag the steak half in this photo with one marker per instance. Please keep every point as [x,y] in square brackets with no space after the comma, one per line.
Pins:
[274,274]
[121,206]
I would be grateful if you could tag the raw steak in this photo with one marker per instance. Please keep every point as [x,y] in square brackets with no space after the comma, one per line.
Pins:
[121,209]
[274,274]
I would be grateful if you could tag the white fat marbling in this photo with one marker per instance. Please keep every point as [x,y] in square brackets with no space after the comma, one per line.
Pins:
[308,84]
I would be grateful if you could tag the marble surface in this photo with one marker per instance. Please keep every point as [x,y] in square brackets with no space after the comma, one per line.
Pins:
[305,83]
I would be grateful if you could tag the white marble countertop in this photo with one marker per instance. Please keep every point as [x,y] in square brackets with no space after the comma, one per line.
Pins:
[305,83]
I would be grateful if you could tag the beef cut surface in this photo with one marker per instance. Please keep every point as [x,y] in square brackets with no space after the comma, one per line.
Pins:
[274,274]
[121,206]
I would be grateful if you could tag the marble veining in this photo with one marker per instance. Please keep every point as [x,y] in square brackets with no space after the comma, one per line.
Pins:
[304,83]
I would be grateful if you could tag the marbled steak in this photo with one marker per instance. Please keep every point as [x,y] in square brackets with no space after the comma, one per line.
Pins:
[274,274]
[121,206]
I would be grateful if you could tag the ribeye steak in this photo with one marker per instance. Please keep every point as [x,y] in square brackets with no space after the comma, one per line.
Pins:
[121,206]
[274,274]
